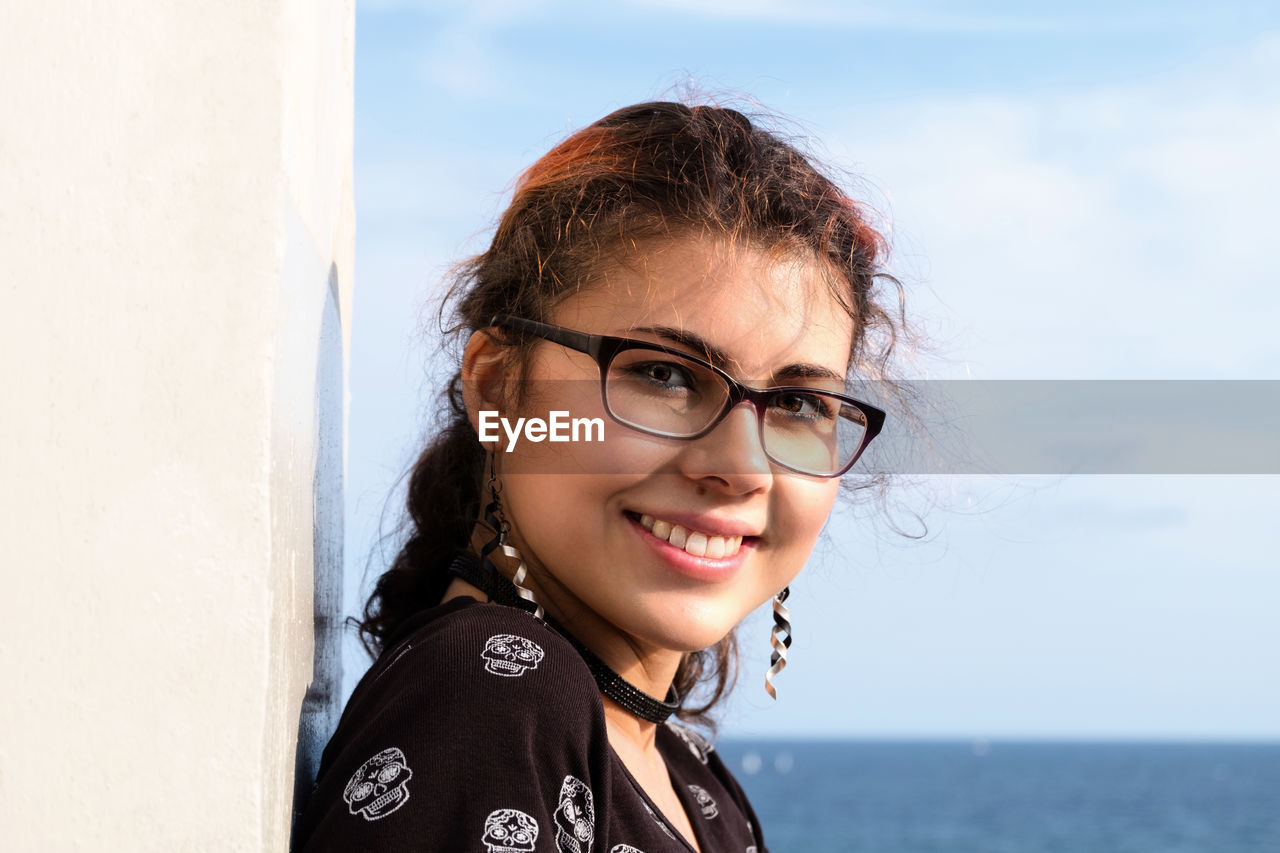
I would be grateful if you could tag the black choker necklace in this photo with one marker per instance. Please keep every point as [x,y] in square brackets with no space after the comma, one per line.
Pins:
[624,692]
[500,589]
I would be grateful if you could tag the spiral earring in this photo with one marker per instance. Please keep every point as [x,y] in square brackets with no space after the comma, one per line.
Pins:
[781,625]
[497,521]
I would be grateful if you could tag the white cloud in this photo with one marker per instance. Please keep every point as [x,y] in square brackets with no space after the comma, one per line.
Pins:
[461,62]
[1118,232]
[460,58]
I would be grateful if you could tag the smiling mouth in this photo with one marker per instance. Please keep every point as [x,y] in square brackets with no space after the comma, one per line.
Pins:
[693,542]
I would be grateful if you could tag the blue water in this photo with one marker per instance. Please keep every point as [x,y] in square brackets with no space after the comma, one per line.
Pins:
[922,797]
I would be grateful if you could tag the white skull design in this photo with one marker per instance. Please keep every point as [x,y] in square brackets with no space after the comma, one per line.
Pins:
[705,802]
[575,817]
[509,831]
[509,654]
[624,848]
[380,786]
[698,745]
[751,849]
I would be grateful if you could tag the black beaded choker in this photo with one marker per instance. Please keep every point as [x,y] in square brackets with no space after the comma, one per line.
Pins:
[501,590]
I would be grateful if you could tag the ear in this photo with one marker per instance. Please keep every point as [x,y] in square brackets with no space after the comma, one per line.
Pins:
[484,375]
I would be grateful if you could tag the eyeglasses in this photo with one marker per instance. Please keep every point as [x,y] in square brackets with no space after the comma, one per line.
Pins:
[658,390]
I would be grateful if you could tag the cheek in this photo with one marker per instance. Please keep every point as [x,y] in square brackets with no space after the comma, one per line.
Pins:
[565,429]
[587,441]
[803,509]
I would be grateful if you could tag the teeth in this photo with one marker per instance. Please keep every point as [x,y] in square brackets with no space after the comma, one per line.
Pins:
[696,544]
[692,541]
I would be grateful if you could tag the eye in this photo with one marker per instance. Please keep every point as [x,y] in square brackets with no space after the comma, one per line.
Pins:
[797,404]
[388,773]
[668,375]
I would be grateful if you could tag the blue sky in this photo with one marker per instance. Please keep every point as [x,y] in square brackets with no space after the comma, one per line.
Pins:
[1085,191]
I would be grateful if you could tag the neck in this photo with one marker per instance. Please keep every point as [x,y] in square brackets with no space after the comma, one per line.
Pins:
[623,724]
[644,667]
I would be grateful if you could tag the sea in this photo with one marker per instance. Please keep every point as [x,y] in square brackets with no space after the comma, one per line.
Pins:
[1011,797]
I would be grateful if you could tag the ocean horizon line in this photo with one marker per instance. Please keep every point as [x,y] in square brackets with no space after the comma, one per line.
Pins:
[1011,740]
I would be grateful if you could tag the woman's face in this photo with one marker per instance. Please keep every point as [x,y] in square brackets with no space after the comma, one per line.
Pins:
[596,521]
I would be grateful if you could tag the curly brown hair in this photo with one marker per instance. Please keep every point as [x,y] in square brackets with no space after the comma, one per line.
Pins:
[650,171]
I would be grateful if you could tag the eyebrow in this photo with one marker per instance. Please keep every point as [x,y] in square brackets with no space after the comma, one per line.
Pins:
[718,357]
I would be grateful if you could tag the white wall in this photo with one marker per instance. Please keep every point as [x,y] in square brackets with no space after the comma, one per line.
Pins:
[175,268]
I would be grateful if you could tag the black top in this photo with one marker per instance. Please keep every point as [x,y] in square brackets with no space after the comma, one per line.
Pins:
[481,729]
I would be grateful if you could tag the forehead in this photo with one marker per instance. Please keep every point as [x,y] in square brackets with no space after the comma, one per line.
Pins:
[763,309]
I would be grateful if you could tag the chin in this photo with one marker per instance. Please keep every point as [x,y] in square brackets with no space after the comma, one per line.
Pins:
[690,632]
[689,644]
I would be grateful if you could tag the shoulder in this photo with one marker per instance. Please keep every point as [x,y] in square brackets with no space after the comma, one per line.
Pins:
[459,624]
[466,654]
[479,713]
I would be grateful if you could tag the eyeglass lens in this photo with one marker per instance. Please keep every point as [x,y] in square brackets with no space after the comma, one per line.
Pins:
[664,394]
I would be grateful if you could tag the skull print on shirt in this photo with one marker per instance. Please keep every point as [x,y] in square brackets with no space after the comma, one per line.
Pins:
[380,786]
[510,655]
[575,817]
[509,831]
[698,745]
[705,802]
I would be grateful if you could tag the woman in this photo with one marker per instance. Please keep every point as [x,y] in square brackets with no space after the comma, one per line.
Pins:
[687,293]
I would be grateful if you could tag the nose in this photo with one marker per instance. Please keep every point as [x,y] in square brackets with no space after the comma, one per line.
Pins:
[730,458]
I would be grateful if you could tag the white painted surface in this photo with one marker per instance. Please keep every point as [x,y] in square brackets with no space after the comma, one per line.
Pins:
[175,194]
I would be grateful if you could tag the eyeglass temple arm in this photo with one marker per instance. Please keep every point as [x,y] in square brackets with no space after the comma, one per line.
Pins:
[580,341]
[875,420]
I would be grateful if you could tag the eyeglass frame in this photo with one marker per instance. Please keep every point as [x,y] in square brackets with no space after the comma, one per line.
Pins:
[604,348]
